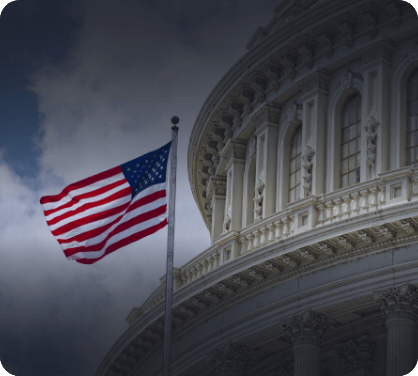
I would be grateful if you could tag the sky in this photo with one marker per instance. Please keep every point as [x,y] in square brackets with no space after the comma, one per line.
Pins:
[86,86]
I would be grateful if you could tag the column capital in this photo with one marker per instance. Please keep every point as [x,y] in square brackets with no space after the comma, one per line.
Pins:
[232,359]
[216,186]
[399,302]
[377,52]
[314,82]
[234,151]
[356,355]
[308,328]
[268,114]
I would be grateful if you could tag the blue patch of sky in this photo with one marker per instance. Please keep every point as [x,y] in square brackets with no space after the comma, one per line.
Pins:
[31,31]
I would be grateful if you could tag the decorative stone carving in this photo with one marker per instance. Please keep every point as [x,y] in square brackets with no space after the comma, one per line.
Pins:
[227,223]
[371,129]
[288,261]
[236,109]
[306,49]
[232,360]
[234,150]
[216,186]
[226,121]
[258,201]
[346,24]
[369,17]
[307,166]
[356,355]
[259,83]
[379,51]
[218,136]
[292,112]
[325,39]
[345,242]
[347,80]
[288,60]
[307,255]
[387,232]
[408,226]
[273,74]
[246,96]
[255,275]
[326,249]
[394,10]
[365,237]
[316,81]
[268,114]
[271,267]
[239,281]
[225,289]
[308,328]
[399,302]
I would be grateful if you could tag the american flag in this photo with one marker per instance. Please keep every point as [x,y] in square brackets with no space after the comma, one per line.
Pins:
[98,215]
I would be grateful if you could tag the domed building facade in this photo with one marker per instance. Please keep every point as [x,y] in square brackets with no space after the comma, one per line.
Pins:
[303,162]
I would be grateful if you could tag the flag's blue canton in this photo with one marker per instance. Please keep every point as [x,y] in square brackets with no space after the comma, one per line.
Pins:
[147,170]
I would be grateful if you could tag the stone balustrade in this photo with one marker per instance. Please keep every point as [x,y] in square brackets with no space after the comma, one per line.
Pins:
[390,190]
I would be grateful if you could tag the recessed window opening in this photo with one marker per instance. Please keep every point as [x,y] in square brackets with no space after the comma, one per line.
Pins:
[295,165]
[411,122]
[350,141]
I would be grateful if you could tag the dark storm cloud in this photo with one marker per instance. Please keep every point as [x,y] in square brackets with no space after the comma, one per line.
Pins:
[107,99]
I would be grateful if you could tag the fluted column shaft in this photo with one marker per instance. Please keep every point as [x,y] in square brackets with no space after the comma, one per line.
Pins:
[307,359]
[400,347]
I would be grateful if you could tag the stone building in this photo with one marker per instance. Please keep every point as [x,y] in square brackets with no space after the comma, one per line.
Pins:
[303,163]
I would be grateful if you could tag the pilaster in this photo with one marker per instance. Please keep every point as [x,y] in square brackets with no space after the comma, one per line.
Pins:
[375,108]
[234,155]
[266,120]
[216,192]
[315,97]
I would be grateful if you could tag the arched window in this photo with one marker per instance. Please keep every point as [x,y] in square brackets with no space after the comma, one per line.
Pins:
[350,141]
[411,124]
[295,165]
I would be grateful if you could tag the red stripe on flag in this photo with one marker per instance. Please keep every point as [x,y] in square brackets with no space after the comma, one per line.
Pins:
[89,219]
[123,226]
[147,199]
[77,199]
[82,183]
[91,233]
[124,192]
[125,241]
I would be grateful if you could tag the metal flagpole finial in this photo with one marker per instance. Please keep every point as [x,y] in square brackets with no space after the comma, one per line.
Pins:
[175,120]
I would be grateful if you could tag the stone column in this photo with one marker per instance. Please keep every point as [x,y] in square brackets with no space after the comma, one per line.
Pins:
[375,108]
[315,103]
[234,156]
[216,191]
[232,360]
[400,305]
[266,120]
[356,356]
[306,332]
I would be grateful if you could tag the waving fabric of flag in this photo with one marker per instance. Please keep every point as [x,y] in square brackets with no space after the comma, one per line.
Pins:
[98,215]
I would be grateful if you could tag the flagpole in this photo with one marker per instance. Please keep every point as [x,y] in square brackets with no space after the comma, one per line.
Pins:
[170,246]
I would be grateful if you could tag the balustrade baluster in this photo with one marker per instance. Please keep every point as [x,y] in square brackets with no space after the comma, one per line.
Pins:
[321,215]
[263,238]
[373,199]
[364,205]
[337,209]
[250,242]
[256,235]
[329,211]
[270,238]
[355,207]
[279,230]
[346,206]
